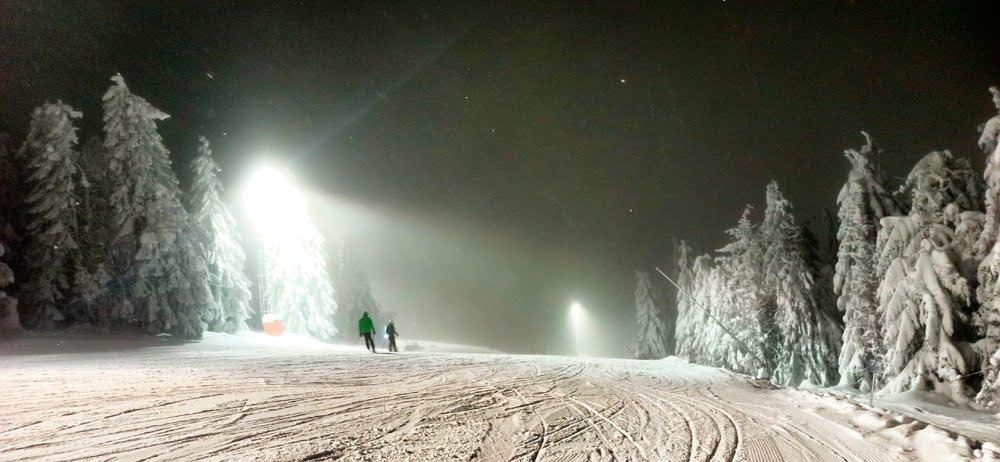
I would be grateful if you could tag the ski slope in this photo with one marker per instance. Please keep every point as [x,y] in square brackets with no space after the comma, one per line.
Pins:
[258,398]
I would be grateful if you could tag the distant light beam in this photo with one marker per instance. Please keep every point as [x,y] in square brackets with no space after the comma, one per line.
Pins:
[576,316]
[576,312]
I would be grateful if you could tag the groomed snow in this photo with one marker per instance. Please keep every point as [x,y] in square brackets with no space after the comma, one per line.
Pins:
[252,397]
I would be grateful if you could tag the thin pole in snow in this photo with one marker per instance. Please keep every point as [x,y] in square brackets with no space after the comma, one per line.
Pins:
[713,318]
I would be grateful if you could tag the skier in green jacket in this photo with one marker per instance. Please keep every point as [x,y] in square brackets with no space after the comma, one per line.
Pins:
[367,329]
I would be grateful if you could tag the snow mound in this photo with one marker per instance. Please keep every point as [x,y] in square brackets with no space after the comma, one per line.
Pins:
[922,440]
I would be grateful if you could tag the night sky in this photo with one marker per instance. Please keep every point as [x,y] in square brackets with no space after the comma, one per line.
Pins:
[495,161]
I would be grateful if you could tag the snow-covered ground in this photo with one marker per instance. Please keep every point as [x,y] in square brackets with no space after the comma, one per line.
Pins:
[259,398]
[934,409]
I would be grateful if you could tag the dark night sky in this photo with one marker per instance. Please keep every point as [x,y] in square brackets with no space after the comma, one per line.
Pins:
[500,159]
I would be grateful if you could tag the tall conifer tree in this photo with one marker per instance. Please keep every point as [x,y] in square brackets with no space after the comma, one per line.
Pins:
[809,338]
[652,333]
[51,205]
[222,249]
[863,201]
[161,275]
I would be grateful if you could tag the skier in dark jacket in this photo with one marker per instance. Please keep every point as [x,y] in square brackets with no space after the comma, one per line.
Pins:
[367,329]
[390,331]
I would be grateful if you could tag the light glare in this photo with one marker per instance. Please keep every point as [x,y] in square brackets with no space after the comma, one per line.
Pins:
[576,312]
[272,201]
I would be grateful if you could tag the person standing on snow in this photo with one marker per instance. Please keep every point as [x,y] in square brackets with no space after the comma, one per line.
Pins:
[367,329]
[390,331]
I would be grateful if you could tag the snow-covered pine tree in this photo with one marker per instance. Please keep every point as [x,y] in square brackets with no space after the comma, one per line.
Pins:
[863,201]
[988,141]
[222,249]
[940,179]
[808,337]
[650,340]
[9,319]
[924,299]
[299,289]
[742,303]
[922,315]
[942,191]
[708,291]
[51,205]
[692,335]
[727,305]
[990,136]
[685,330]
[163,278]
[353,291]
[988,293]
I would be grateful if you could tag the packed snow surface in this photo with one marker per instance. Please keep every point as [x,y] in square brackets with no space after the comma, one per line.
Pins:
[250,397]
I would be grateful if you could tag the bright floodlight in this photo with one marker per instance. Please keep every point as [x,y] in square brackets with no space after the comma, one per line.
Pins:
[576,312]
[272,201]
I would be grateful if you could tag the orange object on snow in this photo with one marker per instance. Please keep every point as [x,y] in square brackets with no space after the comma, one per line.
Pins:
[272,325]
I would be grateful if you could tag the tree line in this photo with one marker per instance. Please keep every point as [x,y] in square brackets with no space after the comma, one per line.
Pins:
[906,297]
[103,234]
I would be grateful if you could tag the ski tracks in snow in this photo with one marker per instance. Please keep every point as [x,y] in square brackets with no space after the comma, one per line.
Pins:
[254,403]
